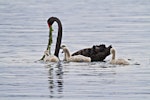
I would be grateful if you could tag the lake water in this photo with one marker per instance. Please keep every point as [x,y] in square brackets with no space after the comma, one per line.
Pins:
[124,24]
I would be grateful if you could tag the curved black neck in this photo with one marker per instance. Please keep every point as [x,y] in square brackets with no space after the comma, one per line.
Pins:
[59,36]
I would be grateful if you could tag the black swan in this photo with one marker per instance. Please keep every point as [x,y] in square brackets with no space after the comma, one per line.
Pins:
[97,52]
[50,22]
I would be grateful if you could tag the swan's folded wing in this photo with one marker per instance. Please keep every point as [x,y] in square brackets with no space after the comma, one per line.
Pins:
[96,53]
[85,52]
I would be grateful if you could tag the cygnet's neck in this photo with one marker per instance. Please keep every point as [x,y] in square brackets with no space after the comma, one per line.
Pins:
[113,55]
[46,54]
[67,53]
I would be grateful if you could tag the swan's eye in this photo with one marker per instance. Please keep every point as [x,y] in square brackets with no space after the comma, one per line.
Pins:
[63,46]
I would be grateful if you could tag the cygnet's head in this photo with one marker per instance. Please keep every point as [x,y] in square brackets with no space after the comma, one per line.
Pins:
[112,50]
[46,52]
[63,46]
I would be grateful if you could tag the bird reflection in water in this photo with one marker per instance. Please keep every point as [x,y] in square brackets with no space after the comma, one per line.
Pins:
[55,80]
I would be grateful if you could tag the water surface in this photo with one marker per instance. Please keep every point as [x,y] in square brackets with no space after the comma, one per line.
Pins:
[124,24]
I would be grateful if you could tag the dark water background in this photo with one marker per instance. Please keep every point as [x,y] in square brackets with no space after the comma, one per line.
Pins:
[124,24]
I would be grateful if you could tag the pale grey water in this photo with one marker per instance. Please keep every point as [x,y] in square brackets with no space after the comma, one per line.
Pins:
[124,24]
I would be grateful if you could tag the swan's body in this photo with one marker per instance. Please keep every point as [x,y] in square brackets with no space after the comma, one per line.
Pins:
[96,53]
[76,58]
[50,58]
[117,61]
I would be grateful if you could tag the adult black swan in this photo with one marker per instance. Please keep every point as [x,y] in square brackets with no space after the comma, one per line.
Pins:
[97,52]
[50,22]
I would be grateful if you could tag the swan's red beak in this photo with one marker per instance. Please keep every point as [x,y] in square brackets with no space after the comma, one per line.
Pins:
[49,25]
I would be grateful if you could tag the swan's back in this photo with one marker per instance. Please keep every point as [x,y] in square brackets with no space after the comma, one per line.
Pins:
[79,58]
[122,62]
[50,58]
